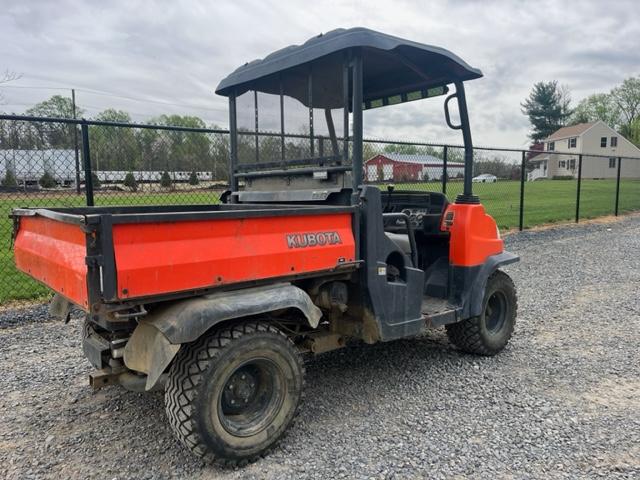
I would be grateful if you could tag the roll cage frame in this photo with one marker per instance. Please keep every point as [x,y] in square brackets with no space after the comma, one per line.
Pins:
[354,102]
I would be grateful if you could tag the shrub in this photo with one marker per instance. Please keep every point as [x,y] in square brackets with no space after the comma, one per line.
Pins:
[563,177]
[10,179]
[165,180]
[47,181]
[130,181]
[425,176]
[95,180]
[193,178]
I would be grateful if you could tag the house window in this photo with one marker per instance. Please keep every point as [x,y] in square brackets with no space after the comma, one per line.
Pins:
[573,142]
[572,164]
[614,141]
[562,164]
[603,142]
[551,146]
[612,162]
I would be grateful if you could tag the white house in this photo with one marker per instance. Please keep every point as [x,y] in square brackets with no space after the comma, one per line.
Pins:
[563,147]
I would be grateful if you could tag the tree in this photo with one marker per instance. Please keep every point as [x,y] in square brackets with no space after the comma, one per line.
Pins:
[130,181]
[627,98]
[186,150]
[634,132]
[9,179]
[165,180]
[599,106]
[547,108]
[47,181]
[95,181]
[402,149]
[56,135]
[114,148]
[57,106]
[193,178]
[6,77]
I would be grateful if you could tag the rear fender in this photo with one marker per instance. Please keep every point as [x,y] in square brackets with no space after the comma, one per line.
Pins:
[470,282]
[157,338]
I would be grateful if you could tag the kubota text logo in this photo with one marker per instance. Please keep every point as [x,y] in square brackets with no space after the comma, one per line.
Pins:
[303,240]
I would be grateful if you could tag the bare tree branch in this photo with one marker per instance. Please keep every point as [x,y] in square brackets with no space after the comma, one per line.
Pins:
[6,77]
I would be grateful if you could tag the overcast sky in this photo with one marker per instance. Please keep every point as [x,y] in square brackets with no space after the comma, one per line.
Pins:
[172,54]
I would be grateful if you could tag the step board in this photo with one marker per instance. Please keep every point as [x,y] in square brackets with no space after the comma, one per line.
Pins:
[438,311]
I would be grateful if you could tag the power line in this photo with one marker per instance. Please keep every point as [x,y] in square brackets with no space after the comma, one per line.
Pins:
[160,102]
[115,95]
[35,87]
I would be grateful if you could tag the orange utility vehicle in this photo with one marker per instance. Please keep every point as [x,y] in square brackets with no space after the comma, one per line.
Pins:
[216,303]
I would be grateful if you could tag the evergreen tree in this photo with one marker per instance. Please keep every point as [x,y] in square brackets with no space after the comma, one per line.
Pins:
[47,181]
[9,179]
[130,181]
[165,180]
[547,108]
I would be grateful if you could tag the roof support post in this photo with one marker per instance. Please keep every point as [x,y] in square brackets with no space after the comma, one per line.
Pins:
[233,143]
[467,194]
[357,120]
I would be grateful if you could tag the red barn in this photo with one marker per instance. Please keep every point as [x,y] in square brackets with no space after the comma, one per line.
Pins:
[402,168]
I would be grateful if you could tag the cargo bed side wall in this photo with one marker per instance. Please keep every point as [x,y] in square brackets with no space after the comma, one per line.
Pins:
[164,257]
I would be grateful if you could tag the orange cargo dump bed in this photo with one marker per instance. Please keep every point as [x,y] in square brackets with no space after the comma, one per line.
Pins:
[96,255]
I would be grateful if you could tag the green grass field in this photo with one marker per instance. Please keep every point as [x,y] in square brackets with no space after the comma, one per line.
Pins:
[546,201]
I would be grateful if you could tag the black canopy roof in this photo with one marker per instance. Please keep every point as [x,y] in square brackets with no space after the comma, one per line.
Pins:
[391,66]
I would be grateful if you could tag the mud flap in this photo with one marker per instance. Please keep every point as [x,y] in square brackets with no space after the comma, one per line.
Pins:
[149,351]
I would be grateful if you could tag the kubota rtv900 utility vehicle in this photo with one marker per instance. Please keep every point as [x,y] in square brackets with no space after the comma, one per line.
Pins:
[217,303]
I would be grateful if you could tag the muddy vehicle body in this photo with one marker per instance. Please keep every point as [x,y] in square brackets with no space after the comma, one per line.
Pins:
[216,303]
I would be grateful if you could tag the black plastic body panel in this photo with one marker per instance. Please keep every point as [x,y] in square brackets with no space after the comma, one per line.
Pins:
[468,283]
[395,305]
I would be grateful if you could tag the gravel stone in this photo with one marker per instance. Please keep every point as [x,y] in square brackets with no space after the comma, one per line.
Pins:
[562,400]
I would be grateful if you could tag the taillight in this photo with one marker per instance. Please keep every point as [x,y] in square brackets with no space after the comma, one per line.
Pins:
[447,221]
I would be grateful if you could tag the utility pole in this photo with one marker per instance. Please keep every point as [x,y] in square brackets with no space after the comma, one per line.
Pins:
[75,141]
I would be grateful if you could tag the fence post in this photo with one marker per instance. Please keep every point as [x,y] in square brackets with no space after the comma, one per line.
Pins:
[445,151]
[75,142]
[578,189]
[86,159]
[522,175]
[618,186]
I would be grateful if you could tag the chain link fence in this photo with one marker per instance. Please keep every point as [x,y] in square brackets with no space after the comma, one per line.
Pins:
[62,163]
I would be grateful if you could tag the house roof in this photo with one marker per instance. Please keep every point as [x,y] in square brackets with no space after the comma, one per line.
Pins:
[392,66]
[413,158]
[570,131]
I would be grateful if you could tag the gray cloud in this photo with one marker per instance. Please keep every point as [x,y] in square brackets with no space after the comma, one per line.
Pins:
[176,52]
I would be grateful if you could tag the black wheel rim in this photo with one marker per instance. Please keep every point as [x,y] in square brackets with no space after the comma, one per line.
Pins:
[495,312]
[251,398]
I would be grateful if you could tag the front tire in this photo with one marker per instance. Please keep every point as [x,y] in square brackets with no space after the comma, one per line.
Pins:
[490,332]
[233,393]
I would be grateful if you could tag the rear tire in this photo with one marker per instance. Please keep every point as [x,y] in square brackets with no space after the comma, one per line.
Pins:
[233,393]
[490,332]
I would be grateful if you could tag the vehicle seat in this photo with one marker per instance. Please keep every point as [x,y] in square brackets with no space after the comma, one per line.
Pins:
[401,240]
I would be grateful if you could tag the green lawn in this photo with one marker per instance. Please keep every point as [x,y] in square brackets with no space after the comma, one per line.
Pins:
[17,286]
[546,201]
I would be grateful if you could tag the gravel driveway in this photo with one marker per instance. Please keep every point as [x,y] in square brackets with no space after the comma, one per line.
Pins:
[562,401]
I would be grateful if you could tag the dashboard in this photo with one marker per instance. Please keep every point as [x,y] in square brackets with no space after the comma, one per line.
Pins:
[424,210]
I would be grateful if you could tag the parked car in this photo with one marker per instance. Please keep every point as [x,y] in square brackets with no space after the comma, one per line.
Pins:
[485,178]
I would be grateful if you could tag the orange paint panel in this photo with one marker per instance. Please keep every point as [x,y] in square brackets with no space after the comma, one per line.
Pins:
[473,235]
[53,253]
[166,257]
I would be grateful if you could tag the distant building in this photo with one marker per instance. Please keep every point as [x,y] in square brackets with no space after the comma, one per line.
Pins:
[405,167]
[563,147]
[29,166]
